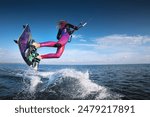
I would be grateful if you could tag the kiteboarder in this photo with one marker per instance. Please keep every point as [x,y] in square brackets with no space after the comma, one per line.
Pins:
[64,32]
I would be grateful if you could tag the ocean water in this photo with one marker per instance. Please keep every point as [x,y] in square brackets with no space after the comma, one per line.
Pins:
[69,82]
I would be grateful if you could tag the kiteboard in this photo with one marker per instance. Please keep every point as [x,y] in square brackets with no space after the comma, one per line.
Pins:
[27,50]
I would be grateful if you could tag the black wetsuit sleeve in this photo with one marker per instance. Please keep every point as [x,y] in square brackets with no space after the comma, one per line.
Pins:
[59,34]
[72,26]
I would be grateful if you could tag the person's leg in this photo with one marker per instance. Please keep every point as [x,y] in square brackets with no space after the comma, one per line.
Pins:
[44,44]
[59,52]
[60,47]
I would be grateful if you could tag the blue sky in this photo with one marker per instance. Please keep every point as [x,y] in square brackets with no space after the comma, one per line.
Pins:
[118,31]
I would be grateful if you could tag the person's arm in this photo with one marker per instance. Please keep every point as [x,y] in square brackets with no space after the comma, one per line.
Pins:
[72,26]
[59,34]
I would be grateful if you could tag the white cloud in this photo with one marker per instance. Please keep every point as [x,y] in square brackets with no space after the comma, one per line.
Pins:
[119,43]
[79,37]
[128,58]
[83,40]
[86,45]
[123,40]
[75,36]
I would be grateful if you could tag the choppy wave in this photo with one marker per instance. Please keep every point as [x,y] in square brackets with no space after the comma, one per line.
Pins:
[62,84]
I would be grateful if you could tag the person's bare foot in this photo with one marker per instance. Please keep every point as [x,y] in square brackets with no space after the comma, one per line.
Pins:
[39,57]
[37,45]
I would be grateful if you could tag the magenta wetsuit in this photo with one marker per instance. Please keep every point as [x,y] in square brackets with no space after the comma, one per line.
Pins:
[60,44]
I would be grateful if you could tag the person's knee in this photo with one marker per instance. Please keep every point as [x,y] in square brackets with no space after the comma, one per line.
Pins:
[58,55]
[58,45]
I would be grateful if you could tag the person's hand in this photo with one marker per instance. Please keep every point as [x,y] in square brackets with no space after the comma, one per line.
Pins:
[76,28]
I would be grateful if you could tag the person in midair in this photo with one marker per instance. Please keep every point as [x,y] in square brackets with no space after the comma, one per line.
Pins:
[64,32]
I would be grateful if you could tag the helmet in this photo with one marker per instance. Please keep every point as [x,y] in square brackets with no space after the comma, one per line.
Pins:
[61,24]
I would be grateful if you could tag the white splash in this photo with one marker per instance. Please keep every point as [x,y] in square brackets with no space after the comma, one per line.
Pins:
[77,83]
[32,75]
[86,85]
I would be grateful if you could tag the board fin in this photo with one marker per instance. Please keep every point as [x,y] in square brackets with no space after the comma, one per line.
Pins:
[16,41]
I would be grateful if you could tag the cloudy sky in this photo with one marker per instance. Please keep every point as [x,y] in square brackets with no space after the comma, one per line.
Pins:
[118,31]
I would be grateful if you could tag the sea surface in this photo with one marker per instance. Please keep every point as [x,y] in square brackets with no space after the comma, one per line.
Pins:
[70,82]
